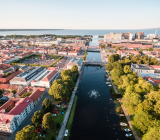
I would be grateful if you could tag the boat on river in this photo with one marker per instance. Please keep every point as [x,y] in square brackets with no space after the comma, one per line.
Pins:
[127,130]
[123,124]
[107,82]
[109,85]
[128,135]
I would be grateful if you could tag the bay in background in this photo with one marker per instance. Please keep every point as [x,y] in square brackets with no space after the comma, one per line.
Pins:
[4,32]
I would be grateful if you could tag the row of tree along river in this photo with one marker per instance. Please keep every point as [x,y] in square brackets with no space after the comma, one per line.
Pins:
[95,117]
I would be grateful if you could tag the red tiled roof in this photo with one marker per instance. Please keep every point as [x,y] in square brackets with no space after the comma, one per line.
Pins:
[52,68]
[155,66]
[25,90]
[20,106]
[72,52]
[7,79]
[6,118]
[50,75]
[4,86]
[35,95]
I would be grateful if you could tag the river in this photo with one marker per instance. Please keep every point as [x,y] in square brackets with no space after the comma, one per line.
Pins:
[95,117]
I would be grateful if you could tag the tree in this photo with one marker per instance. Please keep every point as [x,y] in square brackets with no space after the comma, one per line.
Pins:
[152,134]
[26,94]
[13,91]
[113,58]
[74,69]
[142,121]
[141,50]
[37,118]
[27,133]
[127,69]
[58,90]
[68,82]
[65,73]
[109,66]
[75,73]
[130,102]
[7,74]
[117,48]
[48,121]
[150,49]
[47,105]
[102,46]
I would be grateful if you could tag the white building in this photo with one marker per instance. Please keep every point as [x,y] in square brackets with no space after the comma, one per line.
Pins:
[27,76]
[13,112]
[75,61]
[62,53]
[142,68]
[46,78]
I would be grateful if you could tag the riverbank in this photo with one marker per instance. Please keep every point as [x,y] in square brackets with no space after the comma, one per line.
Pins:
[70,120]
[120,106]
[67,115]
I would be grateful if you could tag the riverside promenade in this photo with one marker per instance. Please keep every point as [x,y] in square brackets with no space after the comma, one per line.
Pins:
[63,128]
[125,112]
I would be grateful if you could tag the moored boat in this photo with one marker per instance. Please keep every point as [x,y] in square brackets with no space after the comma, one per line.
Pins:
[123,124]
[127,130]
[128,135]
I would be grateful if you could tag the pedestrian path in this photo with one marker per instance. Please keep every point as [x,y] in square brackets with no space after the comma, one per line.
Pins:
[129,122]
[63,128]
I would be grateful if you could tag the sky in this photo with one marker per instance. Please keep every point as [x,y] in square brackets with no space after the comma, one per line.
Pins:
[79,14]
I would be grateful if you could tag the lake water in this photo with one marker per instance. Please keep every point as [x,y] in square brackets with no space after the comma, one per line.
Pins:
[69,31]
[95,117]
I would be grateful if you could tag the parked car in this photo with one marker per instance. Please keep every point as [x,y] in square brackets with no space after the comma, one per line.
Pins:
[55,112]
[42,135]
[56,108]
[37,131]
[66,133]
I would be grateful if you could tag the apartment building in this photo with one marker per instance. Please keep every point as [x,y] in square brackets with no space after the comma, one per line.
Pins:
[27,76]
[46,78]
[13,112]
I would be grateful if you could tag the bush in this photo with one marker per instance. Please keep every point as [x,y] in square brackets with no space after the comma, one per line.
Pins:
[57,125]
[119,110]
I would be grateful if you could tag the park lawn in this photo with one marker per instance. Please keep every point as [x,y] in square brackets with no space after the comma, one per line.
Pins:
[57,119]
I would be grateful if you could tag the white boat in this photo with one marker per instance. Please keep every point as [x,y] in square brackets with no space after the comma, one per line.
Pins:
[127,130]
[110,99]
[109,85]
[107,82]
[123,124]
[128,135]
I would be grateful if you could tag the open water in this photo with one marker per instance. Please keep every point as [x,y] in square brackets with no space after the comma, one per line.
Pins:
[4,32]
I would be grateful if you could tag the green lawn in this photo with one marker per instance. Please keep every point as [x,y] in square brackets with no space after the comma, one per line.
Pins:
[57,119]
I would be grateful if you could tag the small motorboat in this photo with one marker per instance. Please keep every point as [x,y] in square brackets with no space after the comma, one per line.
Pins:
[127,130]
[110,99]
[109,85]
[107,82]
[128,135]
[123,124]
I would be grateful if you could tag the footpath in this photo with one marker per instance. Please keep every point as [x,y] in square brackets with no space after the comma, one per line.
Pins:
[125,112]
[63,128]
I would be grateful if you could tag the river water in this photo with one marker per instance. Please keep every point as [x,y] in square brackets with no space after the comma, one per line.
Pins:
[95,117]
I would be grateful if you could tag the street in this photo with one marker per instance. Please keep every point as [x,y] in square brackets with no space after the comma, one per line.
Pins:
[27,120]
